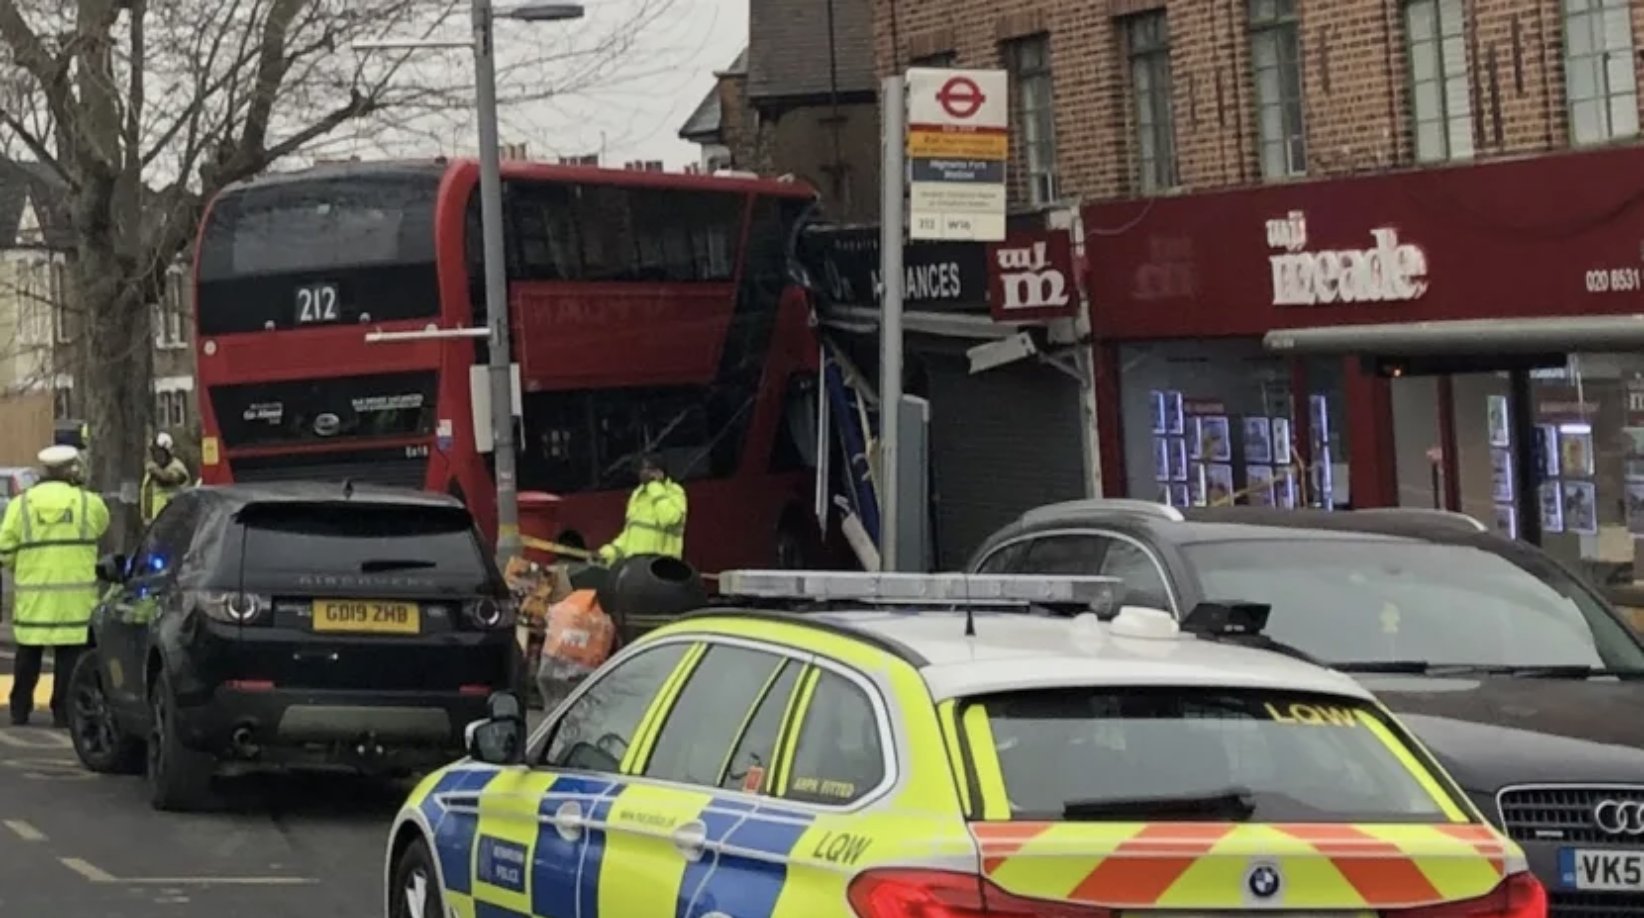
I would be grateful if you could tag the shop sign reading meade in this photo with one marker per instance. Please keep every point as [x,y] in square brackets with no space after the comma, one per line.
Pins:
[1388,271]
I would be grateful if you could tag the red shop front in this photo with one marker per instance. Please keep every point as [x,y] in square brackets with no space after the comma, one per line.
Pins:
[1466,338]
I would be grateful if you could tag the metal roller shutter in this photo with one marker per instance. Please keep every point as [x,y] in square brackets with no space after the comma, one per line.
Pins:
[1001,442]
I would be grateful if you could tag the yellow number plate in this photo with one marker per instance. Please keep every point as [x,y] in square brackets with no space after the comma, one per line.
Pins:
[367,616]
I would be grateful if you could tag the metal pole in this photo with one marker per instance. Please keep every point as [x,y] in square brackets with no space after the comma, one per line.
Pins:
[892,183]
[496,286]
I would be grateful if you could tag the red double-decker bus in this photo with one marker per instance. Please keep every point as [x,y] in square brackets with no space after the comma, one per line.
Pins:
[650,312]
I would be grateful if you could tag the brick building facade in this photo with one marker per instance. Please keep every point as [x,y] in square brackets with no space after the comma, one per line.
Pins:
[800,100]
[1340,81]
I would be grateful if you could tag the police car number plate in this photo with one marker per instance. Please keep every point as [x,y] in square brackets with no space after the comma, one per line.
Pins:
[367,616]
[1583,868]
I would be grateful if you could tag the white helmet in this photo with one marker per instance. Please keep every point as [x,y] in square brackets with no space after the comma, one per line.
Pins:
[163,440]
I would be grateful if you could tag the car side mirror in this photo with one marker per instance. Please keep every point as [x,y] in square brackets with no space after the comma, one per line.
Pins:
[111,568]
[499,739]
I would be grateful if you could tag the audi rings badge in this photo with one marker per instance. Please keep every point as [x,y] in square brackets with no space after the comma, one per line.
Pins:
[1620,817]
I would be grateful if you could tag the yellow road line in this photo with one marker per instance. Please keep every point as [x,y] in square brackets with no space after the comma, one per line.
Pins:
[42,690]
[24,831]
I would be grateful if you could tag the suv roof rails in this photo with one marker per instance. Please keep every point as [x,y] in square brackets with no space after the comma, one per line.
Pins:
[1458,520]
[1100,504]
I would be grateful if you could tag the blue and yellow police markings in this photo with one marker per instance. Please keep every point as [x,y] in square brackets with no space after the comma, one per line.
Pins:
[506,832]
[568,839]
[449,802]
[589,847]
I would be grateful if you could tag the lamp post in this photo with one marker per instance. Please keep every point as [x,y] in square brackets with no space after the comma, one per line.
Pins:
[500,365]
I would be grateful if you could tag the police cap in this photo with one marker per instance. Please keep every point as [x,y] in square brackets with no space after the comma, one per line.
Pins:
[55,457]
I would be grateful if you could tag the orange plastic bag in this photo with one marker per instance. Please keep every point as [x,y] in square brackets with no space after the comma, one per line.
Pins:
[580,634]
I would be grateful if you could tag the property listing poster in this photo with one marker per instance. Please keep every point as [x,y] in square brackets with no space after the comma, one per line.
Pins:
[1205,454]
[1170,467]
[1565,449]
[1503,487]
[1632,460]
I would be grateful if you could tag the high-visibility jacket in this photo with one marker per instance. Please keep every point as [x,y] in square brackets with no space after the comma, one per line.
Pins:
[655,524]
[160,485]
[48,539]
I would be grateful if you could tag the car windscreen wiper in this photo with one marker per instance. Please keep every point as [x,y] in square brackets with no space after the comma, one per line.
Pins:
[1412,667]
[1572,671]
[1234,804]
[378,565]
[1528,671]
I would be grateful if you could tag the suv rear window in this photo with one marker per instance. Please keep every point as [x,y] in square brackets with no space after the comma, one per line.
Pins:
[1064,754]
[383,539]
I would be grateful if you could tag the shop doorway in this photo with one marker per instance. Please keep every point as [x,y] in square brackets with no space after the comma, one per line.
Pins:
[1537,426]
[1549,450]
[1464,437]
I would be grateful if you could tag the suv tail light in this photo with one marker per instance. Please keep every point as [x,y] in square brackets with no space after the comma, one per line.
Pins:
[234,607]
[490,614]
[1519,896]
[912,893]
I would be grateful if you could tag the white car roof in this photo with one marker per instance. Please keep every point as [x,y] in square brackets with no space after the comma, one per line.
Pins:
[1014,651]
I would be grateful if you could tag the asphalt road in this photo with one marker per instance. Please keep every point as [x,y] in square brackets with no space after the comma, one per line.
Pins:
[78,845]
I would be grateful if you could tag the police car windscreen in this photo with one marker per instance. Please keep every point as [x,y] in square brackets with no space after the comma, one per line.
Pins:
[1354,600]
[1138,755]
[375,546]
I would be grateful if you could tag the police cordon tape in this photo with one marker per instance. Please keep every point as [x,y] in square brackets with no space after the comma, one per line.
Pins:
[581,554]
[1296,469]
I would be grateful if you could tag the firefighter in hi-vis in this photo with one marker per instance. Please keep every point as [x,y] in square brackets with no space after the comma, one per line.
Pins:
[163,476]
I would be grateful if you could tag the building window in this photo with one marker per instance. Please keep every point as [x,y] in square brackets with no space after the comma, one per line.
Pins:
[1599,74]
[60,302]
[169,314]
[34,306]
[1440,103]
[171,409]
[1214,423]
[1028,60]
[1147,40]
[1275,51]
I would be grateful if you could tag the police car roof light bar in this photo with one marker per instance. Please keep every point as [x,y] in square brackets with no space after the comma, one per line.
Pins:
[935,589]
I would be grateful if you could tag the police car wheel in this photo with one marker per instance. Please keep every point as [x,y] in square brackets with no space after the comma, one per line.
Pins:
[99,742]
[416,889]
[178,777]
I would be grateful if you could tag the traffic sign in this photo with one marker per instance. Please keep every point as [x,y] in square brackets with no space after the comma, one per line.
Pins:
[958,143]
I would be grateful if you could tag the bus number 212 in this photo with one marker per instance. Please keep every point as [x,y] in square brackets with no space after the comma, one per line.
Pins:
[316,303]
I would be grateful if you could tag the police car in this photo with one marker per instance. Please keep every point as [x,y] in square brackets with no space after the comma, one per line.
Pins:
[834,747]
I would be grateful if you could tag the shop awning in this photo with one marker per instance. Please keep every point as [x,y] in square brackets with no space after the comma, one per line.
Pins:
[1463,337]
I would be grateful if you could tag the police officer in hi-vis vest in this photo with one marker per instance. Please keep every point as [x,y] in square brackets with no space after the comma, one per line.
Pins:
[48,541]
[655,523]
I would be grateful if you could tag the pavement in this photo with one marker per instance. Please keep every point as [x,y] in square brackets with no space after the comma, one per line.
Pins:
[78,845]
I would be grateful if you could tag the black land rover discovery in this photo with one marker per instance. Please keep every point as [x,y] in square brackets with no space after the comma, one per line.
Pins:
[292,625]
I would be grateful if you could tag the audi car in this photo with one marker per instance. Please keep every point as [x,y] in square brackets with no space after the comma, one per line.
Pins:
[1516,674]
[292,626]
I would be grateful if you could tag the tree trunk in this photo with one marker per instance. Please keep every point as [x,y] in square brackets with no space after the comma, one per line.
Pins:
[118,369]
